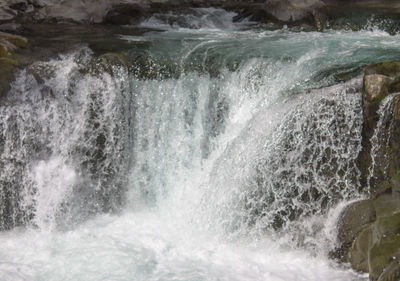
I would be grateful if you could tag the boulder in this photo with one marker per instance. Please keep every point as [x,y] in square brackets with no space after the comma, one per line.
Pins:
[6,15]
[354,219]
[125,14]
[382,254]
[358,254]
[369,232]
[293,10]
[379,81]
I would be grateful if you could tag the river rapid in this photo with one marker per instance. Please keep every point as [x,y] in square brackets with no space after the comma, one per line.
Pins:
[229,158]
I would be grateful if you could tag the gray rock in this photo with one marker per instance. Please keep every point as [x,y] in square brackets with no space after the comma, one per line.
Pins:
[6,15]
[293,10]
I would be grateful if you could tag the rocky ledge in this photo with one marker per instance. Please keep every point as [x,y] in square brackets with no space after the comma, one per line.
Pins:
[369,230]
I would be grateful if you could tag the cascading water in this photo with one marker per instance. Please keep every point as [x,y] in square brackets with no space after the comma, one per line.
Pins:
[384,125]
[202,154]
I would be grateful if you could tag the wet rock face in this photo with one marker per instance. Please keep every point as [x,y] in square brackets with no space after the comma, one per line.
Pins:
[380,80]
[369,230]
[9,45]
[374,242]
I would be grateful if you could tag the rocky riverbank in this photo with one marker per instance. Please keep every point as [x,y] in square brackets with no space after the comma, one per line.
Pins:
[369,230]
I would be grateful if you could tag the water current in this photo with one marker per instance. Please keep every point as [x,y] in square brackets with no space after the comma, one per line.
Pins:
[227,153]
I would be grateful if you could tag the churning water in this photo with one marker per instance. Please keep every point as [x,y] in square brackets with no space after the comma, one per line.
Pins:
[207,154]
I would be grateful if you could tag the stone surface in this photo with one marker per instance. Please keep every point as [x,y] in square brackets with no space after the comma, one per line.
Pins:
[359,251]
[375,86]
[293,10]
[6,15]
[7,66]
[353,220]
[379,81]
[125,14]
[382,253]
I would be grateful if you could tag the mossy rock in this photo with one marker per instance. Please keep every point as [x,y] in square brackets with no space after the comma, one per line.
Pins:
[380,80]
[391,272]
[388,68]
[17,40]
[382,254]
[388,225]
[396,110]
[107,62]
[7,67]
[358,254]
[386,205]
[395,180]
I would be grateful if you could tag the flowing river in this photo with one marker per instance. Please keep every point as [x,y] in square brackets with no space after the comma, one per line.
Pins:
[214,151]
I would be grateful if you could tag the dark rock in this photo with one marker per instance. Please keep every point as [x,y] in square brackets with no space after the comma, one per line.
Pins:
[380,80]
[125,14]
[10,27]
[7,67]
[293,10]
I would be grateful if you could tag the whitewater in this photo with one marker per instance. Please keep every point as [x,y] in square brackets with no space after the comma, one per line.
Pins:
[231,158]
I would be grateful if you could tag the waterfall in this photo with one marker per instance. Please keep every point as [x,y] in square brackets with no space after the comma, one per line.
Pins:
[384,127]
[201,154]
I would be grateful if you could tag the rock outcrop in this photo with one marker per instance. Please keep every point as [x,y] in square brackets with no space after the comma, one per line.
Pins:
[369,230]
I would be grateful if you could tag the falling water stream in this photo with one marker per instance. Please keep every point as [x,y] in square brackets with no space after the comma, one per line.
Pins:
[227,153]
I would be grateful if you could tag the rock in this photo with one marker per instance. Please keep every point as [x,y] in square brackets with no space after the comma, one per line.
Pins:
[108,62]
[17,40]
[9,44]
[7,67]
[375,86]
[372,229]
[292,10]
[6,15]
[6,48]
[391,273]
[10,27]
[375,238]
[38,3]
[359,251]
[125,14]
[382,254]
[379,81]
[353,220]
